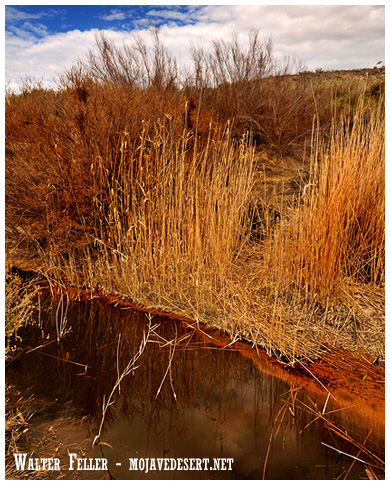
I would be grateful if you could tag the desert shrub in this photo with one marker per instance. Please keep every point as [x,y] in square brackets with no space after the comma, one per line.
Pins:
[52,141]
[53,138]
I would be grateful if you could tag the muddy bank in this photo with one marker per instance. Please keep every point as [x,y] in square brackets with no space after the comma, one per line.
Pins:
[354,379]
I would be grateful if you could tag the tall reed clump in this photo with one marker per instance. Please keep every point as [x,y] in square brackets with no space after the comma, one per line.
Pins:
[339,235]
[170,219]
[316,281]
[324,265]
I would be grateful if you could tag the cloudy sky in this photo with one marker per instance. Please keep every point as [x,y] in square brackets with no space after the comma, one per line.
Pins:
[42,40]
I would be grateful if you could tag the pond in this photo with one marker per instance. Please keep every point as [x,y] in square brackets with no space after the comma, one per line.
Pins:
[226,412]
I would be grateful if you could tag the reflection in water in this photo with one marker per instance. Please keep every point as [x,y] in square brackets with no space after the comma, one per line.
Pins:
[188,398]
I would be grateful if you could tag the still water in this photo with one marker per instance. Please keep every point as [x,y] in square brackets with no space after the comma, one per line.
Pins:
[188,396]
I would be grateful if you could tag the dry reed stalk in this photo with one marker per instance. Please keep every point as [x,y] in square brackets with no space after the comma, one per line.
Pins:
[172,348]
[126,371]
[375,460]
[357,455]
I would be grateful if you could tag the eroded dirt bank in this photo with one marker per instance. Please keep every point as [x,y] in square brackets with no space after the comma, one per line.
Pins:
[351,385]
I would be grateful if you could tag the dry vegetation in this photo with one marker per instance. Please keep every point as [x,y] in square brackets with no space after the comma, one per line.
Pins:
[19,303]
[177,190]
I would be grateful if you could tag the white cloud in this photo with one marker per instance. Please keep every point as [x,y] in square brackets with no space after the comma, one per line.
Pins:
[114,15]
[45,59]
[330,37]
[169,14]
[14,15]
[28,30]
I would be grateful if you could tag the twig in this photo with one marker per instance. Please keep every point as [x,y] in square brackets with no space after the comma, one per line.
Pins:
[326,402]
[28,351]
[117,362]
[358,453]
[311,373]
[343,453]
[61,322]
[371,475]
[171,354]
[129,368]
[266,456]
[63,360]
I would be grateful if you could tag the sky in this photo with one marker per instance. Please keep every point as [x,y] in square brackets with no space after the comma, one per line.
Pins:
[43,40]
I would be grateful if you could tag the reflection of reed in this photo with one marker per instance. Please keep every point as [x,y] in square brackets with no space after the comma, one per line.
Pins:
[345,440]
[200,370]
[185,382]
[61,315]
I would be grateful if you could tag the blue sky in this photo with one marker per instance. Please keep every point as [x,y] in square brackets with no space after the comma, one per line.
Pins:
[51,19]
[42,40]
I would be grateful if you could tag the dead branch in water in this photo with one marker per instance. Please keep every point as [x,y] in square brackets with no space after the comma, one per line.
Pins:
[126,371]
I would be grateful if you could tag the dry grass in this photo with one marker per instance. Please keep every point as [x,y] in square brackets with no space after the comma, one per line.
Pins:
[341,231]
[151,191]
[174,234]
[17,440]
[174,220]
[19,301]
[328,258]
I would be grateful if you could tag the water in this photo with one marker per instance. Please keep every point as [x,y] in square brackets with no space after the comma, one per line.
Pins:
[189,397]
